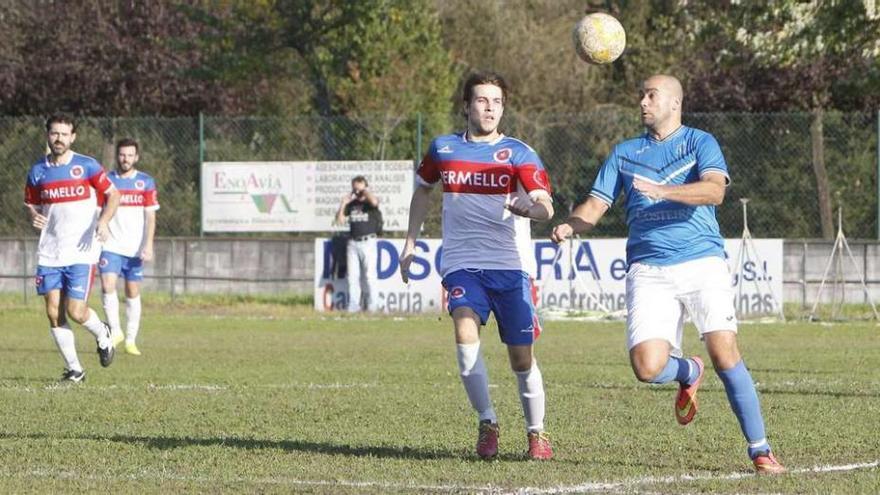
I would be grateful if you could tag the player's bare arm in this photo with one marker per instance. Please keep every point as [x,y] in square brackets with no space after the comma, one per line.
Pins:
[583,218]
[149,232]
[112,203]
[709,190]
[540,209]
[38,220]
[418,210]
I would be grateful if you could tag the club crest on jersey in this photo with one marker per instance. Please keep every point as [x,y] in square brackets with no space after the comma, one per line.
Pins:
[456,292]
[76,171]
[502,155]
[139,184]
[538,177]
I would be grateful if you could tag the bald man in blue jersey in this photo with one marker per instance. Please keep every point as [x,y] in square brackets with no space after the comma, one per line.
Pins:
[672,177]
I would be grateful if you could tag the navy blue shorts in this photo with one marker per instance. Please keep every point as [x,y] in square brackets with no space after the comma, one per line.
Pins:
[506,293]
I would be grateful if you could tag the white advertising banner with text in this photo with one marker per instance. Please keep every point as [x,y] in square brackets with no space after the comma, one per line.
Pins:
[298,196]
[584,267]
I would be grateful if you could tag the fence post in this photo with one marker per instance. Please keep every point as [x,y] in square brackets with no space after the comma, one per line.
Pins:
[878,174]
[173,255]
[201,162]
[24,270]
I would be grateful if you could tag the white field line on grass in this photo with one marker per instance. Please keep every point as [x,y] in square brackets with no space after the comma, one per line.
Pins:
[652,480]
[588,487]
[185,387]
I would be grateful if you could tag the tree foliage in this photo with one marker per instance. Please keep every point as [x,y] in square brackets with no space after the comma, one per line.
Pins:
[103,57]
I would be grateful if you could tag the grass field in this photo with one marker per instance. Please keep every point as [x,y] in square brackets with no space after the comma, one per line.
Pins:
[255,396]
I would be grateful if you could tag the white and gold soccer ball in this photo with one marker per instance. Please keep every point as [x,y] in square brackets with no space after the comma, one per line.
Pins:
[599,38]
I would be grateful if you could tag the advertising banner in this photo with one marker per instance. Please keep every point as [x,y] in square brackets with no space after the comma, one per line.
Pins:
[581,275]
[298,196]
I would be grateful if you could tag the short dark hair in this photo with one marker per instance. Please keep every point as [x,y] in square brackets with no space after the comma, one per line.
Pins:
[360,178]
[127,142]
[478,78]
[61,118]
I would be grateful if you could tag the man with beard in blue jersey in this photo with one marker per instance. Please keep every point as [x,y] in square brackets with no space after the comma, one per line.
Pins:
[672,177]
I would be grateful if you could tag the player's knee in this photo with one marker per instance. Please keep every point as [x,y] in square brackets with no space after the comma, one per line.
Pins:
[646,370]
[520,363]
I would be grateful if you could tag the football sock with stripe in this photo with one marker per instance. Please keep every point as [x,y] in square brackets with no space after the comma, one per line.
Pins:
[679,369]
[744,401]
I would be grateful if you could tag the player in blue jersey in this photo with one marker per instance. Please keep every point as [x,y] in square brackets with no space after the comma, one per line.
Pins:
[671,178]
[493,186]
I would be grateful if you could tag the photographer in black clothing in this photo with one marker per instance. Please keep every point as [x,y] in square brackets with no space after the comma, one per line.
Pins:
[361,207]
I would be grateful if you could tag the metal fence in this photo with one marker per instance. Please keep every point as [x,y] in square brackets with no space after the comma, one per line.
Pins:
[770,157]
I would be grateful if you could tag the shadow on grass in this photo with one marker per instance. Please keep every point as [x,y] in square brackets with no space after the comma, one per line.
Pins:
[169,443]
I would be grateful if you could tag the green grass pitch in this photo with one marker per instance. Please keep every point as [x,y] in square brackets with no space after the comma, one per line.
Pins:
[262,397]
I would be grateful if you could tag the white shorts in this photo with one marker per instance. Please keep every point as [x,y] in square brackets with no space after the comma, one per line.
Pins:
[657,297]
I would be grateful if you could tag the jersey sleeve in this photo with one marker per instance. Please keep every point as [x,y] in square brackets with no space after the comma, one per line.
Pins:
[710,158]
[428,172]
[98,178]
[532,175]
[31,191]
[151,196]
[607,185]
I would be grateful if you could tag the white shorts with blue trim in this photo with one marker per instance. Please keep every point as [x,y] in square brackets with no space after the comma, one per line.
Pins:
[658,298]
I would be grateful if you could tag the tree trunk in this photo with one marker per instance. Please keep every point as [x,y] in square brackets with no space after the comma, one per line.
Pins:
[824,197]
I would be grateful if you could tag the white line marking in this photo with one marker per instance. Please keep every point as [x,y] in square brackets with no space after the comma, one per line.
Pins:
[586,487]
[650,480]
[186,387]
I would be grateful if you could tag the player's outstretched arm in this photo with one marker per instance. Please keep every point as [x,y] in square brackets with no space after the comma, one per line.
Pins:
[418,210]
[709,190]
[583,218]
[540,209]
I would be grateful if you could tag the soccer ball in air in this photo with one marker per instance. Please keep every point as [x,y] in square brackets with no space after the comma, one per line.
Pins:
[599,38]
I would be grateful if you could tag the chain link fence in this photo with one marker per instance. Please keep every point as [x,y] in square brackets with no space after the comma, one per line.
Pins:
[770,157]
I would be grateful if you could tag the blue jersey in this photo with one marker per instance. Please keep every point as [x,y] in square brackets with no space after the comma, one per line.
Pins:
[663,232]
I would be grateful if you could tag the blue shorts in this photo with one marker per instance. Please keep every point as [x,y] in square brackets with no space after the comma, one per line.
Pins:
[131,267]
[506,293]
[74,281]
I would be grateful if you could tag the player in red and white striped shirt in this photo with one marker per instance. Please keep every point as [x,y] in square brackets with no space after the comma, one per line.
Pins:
[493,186]
[61,197]
[130,243]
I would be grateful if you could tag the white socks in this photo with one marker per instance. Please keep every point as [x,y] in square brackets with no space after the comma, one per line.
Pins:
[475,380]
[63,336]
[132,318]
[96,326]
[111,309]
[531,394]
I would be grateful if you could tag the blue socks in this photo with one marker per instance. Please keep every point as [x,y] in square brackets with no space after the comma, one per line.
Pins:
[744,401]
[681,370]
